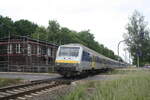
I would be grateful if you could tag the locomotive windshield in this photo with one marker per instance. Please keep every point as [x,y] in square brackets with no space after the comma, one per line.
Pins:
[69,51]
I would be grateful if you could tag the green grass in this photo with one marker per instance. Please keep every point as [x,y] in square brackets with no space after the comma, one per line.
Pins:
[130,86]
[8,81]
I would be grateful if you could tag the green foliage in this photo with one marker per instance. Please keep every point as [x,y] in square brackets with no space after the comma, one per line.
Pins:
[24,27]
[21,27]
[53,33]
[138,38]
[40,33]
[68,36]
[7,81]
[6,27]
[133,86]
[77,95]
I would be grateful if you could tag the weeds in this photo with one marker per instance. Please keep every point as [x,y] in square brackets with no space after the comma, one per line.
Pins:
[7,81]
[135,85]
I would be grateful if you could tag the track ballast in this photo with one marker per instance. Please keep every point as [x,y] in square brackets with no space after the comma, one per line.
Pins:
[13,92]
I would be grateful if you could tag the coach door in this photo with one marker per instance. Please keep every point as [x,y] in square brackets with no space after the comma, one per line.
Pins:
[93,62]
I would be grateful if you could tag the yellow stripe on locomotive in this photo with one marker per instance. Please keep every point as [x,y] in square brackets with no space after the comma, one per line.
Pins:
[66,61]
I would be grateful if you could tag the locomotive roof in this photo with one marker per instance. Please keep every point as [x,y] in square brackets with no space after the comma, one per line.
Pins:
[75,44]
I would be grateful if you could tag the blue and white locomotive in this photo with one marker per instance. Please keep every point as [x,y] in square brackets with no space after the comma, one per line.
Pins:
[75,59]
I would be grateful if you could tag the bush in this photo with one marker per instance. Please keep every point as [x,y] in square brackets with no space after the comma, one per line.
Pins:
[8,81]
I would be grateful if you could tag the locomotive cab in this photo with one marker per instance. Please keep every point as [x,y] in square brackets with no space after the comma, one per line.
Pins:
[68,60]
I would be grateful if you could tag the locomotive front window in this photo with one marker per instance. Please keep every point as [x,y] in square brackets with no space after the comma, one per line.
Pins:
[69,51]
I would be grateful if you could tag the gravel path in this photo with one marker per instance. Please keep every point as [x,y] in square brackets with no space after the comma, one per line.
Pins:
[39,76]
[28,76]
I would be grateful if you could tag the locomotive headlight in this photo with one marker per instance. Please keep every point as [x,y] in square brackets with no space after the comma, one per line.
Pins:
[57,64]
[75,65]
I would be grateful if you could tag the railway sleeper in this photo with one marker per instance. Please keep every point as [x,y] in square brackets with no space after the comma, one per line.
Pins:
[10,93]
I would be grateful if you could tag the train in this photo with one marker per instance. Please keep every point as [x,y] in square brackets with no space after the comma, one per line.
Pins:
[76,59]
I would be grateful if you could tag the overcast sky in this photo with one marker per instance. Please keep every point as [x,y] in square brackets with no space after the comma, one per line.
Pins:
[106,19]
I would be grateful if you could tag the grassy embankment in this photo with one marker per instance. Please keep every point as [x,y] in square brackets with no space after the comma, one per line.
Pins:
[132,85]
[8,81]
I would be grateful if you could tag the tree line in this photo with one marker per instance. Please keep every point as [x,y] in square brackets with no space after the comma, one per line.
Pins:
[53,33]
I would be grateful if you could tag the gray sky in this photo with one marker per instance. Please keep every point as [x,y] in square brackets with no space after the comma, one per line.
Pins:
[105,18]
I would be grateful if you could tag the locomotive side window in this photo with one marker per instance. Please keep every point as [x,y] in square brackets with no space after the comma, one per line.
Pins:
[86,56]
[69,51]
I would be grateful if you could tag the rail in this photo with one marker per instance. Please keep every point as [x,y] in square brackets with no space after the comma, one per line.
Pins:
[13,92]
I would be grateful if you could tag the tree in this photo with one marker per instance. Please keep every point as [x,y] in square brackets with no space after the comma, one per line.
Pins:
[138,37]
[87,37]
[6,27]
[53,31]
[40,33]
[24,27]
[68,36]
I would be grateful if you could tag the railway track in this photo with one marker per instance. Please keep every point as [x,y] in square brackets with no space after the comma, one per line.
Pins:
[13,92]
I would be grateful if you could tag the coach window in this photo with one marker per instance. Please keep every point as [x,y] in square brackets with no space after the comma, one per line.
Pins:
[9,49]
[103,61]
[17,48]
[100,60]
[110,62]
